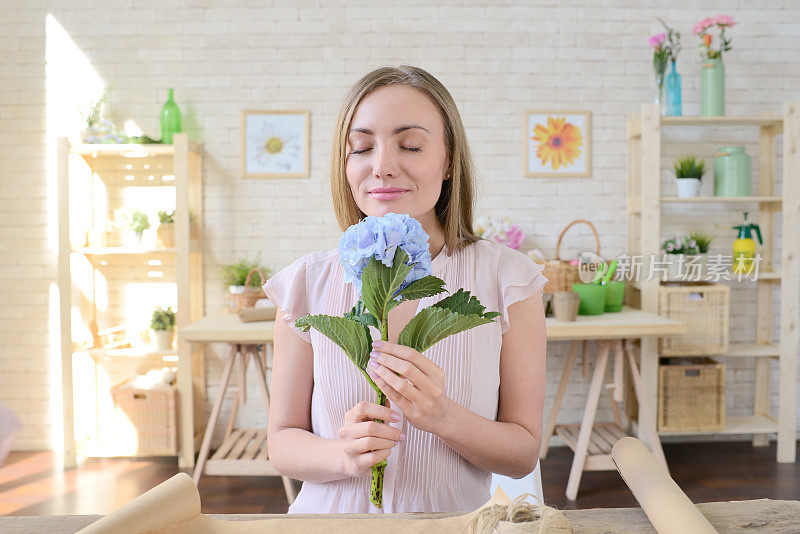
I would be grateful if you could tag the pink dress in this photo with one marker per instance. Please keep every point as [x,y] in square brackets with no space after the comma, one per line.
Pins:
[424,474]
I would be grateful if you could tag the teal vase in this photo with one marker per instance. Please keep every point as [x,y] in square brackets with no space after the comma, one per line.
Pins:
[732,172]
[712,88]
[674,92]
[170,119]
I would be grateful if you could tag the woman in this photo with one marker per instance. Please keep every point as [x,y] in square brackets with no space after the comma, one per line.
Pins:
[472,405]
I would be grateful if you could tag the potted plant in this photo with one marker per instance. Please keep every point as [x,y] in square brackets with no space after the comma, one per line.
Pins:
[100,129]
[702,242]
[165,234]
[163,326]
[674,257]
[683,258]
[132,222]
[688,172]
[244,280]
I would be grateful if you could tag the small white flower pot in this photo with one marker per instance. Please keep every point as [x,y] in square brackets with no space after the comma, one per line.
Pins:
[164,339]
[688,187]
[131,239]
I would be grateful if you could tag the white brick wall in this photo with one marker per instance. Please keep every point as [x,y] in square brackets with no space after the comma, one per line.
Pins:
[497,61]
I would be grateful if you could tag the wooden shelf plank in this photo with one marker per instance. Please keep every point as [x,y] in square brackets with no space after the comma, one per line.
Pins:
[243,453]
[194,245]
[734,200]
[602,439]
[129,352]
[763,276]
[720,121]
[130,149]
[735,424]
[227,445]
[747,350]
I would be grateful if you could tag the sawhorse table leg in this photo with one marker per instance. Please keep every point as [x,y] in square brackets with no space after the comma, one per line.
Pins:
[243,452]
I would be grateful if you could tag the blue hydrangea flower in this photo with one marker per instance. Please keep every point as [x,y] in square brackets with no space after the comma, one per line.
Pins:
[379,237]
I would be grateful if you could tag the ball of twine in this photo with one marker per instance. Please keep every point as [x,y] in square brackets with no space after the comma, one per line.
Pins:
[519,511]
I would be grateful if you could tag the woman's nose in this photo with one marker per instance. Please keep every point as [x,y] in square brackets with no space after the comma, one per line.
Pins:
[384,163]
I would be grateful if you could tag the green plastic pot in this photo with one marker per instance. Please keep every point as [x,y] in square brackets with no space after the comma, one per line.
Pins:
[593,298]
[615,291]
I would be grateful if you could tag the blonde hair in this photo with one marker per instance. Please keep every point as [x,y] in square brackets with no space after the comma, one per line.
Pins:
[454,207]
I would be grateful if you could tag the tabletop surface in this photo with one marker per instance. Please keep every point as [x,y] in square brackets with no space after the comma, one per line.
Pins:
[763,515]
[224,326]
[628,323]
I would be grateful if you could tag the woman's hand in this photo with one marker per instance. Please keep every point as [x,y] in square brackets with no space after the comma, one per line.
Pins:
[412,382]
[366,442]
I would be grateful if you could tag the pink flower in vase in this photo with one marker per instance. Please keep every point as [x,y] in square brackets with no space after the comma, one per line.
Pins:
[657,40]
[723,20]
[703,25]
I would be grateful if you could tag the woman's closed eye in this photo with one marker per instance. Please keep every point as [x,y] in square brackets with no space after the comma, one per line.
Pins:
[409,149]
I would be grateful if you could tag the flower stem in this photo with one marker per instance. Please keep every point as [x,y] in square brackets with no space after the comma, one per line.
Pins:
[376,487]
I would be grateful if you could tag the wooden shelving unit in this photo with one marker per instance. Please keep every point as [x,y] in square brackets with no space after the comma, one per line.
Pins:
[92,179]
[644,230]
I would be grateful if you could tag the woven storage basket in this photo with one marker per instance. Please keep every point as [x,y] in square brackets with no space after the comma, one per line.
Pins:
[145,422]
[691,395]
[559,273]
[705,308]
[250,296]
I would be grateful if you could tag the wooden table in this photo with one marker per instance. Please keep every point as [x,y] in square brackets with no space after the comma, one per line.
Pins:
[592,441]
[243,451]
[762,516]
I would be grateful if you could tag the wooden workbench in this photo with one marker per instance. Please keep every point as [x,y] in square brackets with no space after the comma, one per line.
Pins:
[762,516]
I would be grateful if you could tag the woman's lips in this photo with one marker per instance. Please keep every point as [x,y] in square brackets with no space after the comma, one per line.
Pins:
[388,196]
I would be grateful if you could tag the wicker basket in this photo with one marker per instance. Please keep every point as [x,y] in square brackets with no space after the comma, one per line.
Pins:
[705,308]
[559,273]
[251,294]
[691,395]
[145,422]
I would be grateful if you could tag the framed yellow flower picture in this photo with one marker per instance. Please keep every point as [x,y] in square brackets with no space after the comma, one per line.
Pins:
[275,144]
[558,144]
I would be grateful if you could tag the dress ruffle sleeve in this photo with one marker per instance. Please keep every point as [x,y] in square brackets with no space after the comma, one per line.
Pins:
[518,278]
[288,291]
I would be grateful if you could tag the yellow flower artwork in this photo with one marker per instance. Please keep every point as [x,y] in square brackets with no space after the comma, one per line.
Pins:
[557,144]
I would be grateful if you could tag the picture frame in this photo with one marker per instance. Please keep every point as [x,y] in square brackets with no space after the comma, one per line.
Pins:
[570,157]
[275,143]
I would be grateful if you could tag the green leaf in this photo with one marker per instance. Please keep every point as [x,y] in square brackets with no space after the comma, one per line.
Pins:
[353,337]
[451,315]
[379,283]
[359,313]
[427,286]
[433,324]
[462,302]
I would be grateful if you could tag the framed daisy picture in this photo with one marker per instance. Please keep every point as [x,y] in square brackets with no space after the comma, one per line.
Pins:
[275,144]
[558,144]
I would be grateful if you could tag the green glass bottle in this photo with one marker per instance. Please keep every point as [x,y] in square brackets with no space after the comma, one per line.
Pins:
[170,119]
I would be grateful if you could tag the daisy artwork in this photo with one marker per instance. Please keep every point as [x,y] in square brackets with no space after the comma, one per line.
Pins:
[275,144]
[558,144]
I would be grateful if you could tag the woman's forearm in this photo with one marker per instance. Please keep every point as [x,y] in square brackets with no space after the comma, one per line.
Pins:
[500,447]
[302,455]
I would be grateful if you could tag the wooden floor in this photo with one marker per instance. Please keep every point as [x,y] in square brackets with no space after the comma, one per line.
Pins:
[29,484]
